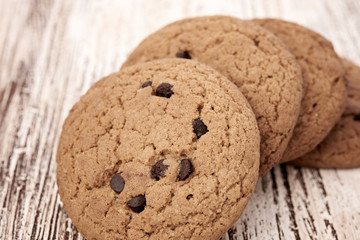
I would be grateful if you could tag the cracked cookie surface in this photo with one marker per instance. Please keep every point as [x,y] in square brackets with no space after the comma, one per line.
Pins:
[341,148]
[251,57]
[168,149]
[324,87]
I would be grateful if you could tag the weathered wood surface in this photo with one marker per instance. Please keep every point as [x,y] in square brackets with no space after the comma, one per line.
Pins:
[52,51]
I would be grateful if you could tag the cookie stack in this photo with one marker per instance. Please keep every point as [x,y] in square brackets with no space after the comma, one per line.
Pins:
[172,145]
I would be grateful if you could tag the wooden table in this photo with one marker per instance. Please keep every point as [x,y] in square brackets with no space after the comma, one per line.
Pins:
[52,51]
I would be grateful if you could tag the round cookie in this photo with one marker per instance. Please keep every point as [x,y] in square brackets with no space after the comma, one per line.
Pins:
[341,148]
[168,149]
[324,88]
[251,57]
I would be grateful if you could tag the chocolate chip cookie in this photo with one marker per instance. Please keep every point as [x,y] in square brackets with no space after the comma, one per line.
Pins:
[324,87]
[168,149]
[251,57]
[341,148]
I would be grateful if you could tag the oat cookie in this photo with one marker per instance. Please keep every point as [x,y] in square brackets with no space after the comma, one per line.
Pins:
[168,149]
[251,57]
[341,148]
[324,88]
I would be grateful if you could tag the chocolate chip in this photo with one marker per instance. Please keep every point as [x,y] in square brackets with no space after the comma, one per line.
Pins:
[146,84]
[199,128]
[137,204]
[117,183]
[357,117]
[164,90]
[186,169]
[158,170]
[188,197]
[183,54]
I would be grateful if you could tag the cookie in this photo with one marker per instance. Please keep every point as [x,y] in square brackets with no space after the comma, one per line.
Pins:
[251,57]
[324,87]
[341,148]
[168,149]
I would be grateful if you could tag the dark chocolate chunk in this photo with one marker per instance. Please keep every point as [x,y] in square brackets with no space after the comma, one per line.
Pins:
[186,169]
[199,128]
[117,183]
[357,117]
[146,84]
[183,54]
[137,204]
[164,90]
[158,170]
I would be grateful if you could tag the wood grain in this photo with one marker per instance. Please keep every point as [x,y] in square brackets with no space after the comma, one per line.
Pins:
[52,51]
